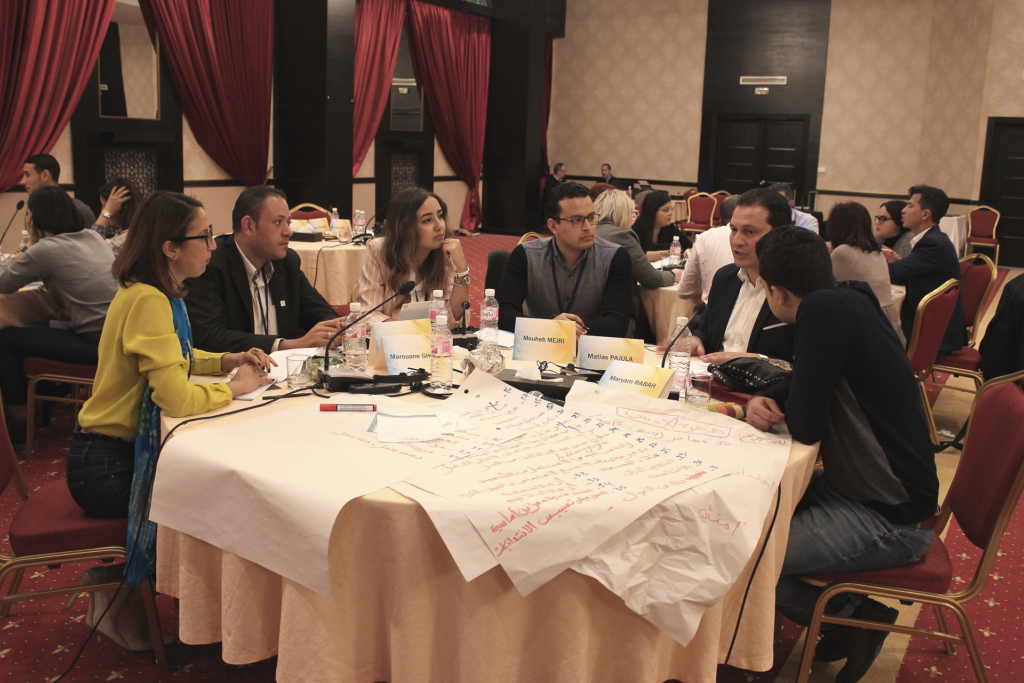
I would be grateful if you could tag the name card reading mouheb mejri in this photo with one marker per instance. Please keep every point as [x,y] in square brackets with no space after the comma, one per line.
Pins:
[597,353]
[550,340]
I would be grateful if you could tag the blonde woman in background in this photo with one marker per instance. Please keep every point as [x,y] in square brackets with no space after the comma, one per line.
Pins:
[616,214]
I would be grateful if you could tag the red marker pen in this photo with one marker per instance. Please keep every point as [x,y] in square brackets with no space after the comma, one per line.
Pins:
[348,408]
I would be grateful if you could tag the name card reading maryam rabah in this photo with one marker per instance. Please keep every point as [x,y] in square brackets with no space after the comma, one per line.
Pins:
[550,340]
[597,353]
[640,379]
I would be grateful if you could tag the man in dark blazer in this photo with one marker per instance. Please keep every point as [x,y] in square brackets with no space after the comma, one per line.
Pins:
[738,321]
[253,294]
[607,177]
[553,180]
[931,262]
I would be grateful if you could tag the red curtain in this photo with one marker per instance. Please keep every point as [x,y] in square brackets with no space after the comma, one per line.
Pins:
[545,167]
[220,55]
[378,34]
[47,52]
[451,54]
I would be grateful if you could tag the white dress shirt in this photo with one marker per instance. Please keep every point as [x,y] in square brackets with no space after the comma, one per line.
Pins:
[805,220]
[917,238]
[711,251]
[744,314]
[264,315]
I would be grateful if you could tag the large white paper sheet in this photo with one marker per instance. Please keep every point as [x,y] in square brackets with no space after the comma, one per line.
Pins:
[270,489]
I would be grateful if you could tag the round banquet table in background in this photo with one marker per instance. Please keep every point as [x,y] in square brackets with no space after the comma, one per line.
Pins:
[338,270]
[663,306]
[28,307]
[679,211]
[401,611]
[956,228]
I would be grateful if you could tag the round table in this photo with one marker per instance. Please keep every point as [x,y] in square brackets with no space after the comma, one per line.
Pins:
[337,272]
[663,306]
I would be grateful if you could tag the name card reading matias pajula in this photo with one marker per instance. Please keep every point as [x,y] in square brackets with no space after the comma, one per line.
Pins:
[597,353]
[640,379]
[550,340]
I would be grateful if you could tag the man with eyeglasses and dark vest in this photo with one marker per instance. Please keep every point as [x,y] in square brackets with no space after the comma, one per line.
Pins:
[574,275]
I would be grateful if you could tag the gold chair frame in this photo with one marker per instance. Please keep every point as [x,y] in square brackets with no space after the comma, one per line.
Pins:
[689,211]
[973,338]
[954,601]
[969,248]
[306,206]
[76,384]
[912,348]
[528,236]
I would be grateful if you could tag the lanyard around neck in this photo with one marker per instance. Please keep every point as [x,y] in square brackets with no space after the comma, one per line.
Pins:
[266,292]
[554,277]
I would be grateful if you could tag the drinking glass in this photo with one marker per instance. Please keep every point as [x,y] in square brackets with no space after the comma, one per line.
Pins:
[300,372]
[699,391]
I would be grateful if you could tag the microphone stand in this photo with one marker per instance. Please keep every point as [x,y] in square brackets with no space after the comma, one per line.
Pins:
[403,289]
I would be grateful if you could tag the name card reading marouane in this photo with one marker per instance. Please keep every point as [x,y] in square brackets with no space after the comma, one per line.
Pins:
[405,351]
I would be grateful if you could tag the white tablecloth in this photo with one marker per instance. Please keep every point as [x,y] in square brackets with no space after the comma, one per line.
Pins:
[336,273]
[956,228]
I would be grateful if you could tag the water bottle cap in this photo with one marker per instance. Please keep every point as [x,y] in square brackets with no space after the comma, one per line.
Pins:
[438,293]
[441,320]
[488,292]
[676,238]
[681,320]
[355,308]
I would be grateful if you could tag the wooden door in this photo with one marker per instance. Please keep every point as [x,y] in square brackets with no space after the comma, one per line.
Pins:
[752,152]
[1003,187]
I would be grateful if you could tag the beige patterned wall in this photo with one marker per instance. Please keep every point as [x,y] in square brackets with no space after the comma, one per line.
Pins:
[139,71]
[627,87]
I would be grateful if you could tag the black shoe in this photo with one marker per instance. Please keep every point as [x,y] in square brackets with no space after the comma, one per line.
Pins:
[863,645]
[18,436]
[832,646]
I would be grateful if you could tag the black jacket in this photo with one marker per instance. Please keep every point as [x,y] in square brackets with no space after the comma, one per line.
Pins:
[770,336]
[1002,347]
[220,302]
[932,261]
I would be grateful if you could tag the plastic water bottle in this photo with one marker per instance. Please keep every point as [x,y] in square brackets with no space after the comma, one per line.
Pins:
[489,318]
[441,356]
[679,357]
[355,340]
[438,306]
[24,240]
[675,252]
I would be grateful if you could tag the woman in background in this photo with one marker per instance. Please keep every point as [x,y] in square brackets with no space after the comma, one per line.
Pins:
[120,198]
[857,256]
[418,246]
[889,228]
[655,226]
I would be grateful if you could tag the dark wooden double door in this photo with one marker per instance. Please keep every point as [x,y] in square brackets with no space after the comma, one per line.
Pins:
[1003,186]
[751,152]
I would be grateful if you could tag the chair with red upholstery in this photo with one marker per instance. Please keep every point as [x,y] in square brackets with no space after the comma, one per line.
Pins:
[981,230]
[982,497]
[49,530]
[930,322]
[342,309]
[308,212]
[977,276]
[80,377]
[721,196]
[700,209]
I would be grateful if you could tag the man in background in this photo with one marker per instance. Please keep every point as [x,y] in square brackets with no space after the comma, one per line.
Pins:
[43,170]
[553,180]
[799,218]
[710,252]
[607,177]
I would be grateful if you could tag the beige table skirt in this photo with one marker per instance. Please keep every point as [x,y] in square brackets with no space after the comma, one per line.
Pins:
[662,307]
[28,307]
[400,610]
[338,270]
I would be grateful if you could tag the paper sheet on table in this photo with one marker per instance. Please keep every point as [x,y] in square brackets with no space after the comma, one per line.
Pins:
[503,339]
[252,490]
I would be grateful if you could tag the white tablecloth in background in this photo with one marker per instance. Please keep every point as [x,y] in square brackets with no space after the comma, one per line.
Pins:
[956,228]
[338,270]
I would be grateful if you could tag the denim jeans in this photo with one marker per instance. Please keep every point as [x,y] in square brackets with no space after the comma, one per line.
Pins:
[831,533]
[99,474]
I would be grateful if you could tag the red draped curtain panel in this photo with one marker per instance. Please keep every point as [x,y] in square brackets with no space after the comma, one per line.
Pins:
[220,55]
[545,166]
[47,52]
[451,54]
[378,34]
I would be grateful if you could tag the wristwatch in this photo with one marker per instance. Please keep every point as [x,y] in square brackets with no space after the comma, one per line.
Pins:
[106,214]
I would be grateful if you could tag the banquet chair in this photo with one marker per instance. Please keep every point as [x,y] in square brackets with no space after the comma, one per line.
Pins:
[308,212]
[80,377]
[721,196]
[497,261]
[529,237]
[977,277]
[930,322]
[981,230]
[598,188]
[700,209]
[50,530]
[982,497]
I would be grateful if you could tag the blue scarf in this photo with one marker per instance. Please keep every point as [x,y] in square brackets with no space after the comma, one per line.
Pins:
[142,544]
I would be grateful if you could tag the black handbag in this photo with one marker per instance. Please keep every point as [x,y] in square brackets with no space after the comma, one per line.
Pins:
[750,375]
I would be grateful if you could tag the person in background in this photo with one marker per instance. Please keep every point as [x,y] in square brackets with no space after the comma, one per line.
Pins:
[616,215]
[710,252]
[799,218]
[419,247]
[74,266]
[931,262]
[607,177]
[857,256]
[146,357]
[254,293]
[889,227]
[120,198]
[574,275]
[738,321]
[656,227]
[553,180]
[874,501]
[43,170]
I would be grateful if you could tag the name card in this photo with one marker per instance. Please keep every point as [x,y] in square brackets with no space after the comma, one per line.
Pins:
[597,353]
[550,340]
[402,352]
[640,379]
[391,329]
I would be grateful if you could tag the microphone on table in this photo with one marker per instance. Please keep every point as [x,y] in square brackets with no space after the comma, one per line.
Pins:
[18,207]
[403,289]
[465,317]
